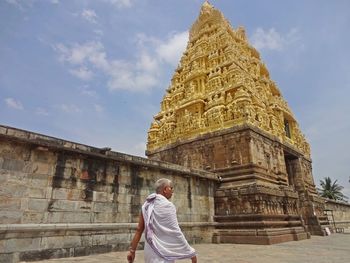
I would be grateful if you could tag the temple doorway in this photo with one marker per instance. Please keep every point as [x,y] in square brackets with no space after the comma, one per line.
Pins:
[291,167]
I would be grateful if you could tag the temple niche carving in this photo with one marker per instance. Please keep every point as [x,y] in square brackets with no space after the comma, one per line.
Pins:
[223,113]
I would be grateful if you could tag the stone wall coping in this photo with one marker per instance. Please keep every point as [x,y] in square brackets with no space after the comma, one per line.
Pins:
[326,200]
[44,143]
[4,228]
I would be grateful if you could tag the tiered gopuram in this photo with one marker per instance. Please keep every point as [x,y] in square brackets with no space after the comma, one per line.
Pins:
[221,82]
[223,113]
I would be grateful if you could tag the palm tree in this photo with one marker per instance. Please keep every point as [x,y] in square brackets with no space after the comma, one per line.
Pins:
[331,190]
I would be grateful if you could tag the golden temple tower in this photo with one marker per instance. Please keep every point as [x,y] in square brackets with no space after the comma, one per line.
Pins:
[223,113]
[220,83]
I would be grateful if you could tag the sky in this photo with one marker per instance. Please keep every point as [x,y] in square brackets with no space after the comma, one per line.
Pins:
[95,71]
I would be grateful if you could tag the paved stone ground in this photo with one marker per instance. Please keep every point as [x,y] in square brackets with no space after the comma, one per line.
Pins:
[334,248]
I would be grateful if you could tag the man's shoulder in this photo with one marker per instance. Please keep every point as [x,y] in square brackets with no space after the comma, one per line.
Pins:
[162,201]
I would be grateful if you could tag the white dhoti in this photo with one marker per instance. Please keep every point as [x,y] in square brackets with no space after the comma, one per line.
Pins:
[152,257]
[164,238]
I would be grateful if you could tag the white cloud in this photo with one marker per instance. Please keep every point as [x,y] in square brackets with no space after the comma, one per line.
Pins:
[82,73]
[98,108]
[171,50]
[55,2]
[41,111]
[90,56]
[120,3]
[140,74]
[88,92]
[124,75]
[98,32]
[78,54]
[14,104]
[71,108]
[89,15]
[22,5]
[272,40]
[15,3]
[147,63]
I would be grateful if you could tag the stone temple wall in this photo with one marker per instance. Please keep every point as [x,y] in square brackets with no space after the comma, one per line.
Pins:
[60,199]
[341,212]
[265,184]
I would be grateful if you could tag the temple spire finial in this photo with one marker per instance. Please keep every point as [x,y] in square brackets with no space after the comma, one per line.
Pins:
[206,7]
[206,3]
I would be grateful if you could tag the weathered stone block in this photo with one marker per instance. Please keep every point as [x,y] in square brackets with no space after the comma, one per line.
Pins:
[13,165]
[3,130]
[52,242]
[38,182]
[10,204]
[71,241]
[41,168]
[18,133]
[18,177]
[55,217]
[28,168]
[25,244]
[24,204]
[43,156]
[10,189]
[82,147]
[105,217]
[100,196]
[86,240]
[117,238]
[105,207]
[98,240]
[36,192]
[44,254]
[83,206]
[62,205]
[76,217]
[48,194]
[66,194]
[33,218]
[39,205]
[8,257]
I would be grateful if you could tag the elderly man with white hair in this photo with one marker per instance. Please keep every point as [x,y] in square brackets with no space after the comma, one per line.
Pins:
[164,240]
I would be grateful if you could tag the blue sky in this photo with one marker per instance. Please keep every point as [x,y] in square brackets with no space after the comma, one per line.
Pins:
[94,72]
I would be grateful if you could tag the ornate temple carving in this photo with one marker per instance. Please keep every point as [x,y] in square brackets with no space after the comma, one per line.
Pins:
[221,82]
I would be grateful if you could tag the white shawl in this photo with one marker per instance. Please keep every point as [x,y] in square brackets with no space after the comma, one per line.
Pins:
[162,231]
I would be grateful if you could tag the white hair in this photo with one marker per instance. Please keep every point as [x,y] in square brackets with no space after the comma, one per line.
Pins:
[160,184]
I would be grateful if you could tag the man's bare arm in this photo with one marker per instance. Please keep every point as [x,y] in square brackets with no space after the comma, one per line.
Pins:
[136,239]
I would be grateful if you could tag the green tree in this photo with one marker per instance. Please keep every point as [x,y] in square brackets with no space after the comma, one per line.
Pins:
[331,190]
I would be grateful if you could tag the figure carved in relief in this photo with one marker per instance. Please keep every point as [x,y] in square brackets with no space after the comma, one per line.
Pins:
[229,98]
[193,86]
[275,127]
[233,111]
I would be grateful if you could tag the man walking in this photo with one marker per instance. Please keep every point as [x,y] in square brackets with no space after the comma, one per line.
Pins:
[164,240]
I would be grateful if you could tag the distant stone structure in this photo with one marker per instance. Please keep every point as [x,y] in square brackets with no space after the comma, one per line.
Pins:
[338,214]
[223,113]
